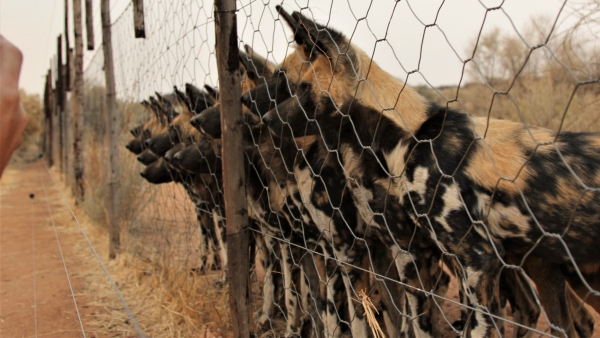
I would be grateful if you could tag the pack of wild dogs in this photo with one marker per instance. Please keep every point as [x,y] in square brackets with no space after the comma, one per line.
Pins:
[356,183]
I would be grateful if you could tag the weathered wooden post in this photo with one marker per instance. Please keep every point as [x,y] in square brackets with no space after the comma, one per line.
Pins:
[55,112]
[113,131]
[138,18]
[234,183]
[48,120]
[67,120]
[67,83]
[89,24]
[77,104]
[58,94]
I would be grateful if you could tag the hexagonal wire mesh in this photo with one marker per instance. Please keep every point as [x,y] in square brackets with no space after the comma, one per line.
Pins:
[383,201]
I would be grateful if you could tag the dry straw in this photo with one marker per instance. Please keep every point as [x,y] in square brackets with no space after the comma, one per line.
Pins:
[370,312]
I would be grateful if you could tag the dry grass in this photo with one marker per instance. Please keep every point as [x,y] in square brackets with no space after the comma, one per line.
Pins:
[535,102]
[166,299]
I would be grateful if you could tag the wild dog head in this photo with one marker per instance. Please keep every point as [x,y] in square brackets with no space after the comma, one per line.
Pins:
[254,69]
[170,156]
[199,100]
[257,69]
[159,172]
[153,127]
[209,121]
[147,157]
[327,70]
[201,158]
[179,130]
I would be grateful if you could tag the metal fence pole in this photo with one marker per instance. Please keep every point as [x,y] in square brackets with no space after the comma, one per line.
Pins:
[234,184]
[113,131]
[77,103]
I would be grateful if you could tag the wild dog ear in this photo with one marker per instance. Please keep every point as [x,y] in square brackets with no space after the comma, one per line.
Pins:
[317,40]
[158,111]
[167,107]
[182,99]
[199,100]
[212,92]
[243,70]
[256,66]
[145,104]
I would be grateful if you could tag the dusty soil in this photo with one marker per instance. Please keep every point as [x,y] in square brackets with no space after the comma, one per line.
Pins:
[36,298]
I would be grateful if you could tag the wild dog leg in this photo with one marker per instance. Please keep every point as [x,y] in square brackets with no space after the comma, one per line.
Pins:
[355,280]
[267,260]
[478,283]
[291,300]
[313,325]
[582,290]
[515,287]
[556,300]
[583,320]
[219,228]
[333,293]
[204,223]
[421,270]
[392,293]
[430,277]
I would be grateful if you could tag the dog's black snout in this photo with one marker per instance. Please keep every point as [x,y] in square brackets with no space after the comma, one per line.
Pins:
[247,100]
[143,174]
[197,121]
[128,146]
[147,143]
[266,119]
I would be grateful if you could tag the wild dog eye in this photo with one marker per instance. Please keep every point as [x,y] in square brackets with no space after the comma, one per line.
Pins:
[304,87]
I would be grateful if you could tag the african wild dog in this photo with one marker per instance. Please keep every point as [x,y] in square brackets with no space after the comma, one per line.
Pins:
[154,126]
[475,188]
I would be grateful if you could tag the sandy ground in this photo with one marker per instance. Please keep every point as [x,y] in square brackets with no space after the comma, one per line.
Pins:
[36,298]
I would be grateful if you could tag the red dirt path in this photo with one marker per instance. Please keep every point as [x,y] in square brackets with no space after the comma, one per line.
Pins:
[35,297]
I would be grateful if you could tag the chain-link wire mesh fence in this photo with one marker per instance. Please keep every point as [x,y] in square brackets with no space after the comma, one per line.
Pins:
[382,202]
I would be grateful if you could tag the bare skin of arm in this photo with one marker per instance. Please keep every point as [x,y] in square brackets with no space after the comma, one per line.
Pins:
[13,119]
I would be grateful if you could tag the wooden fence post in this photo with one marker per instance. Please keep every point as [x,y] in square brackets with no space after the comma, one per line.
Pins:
[58,94]
[138,18]
[234,184]
[48,114]
[77,103]
[55,112]
[89,24]
[67,83]
[67,119]
[113,130]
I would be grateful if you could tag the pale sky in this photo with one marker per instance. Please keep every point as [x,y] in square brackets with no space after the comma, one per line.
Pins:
[33,26]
